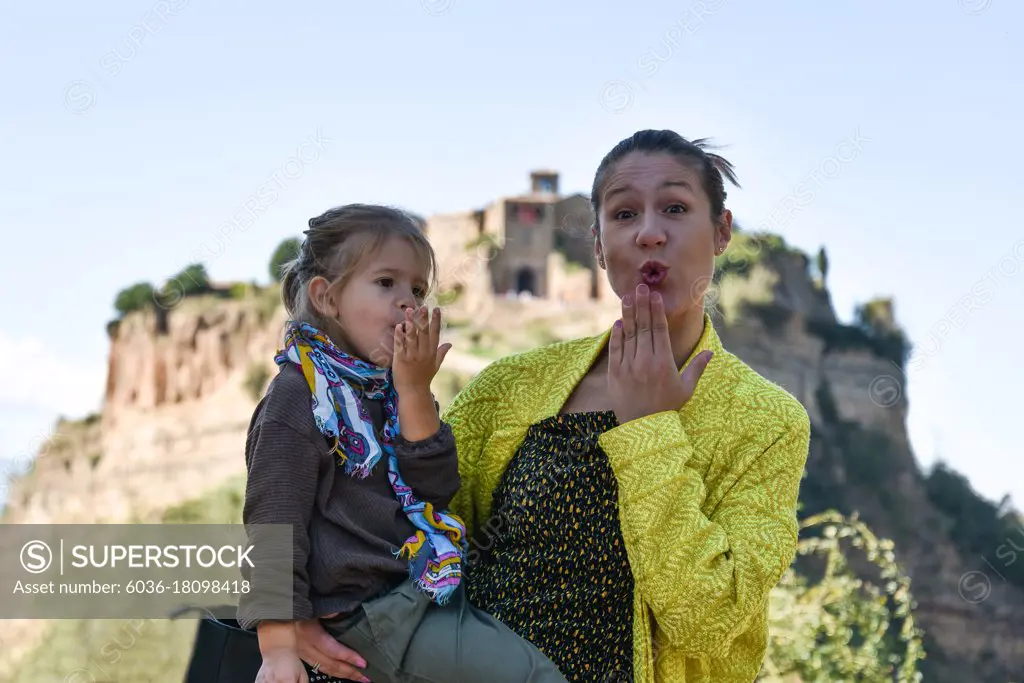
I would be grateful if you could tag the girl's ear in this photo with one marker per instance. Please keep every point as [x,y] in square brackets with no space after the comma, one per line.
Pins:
[321,297]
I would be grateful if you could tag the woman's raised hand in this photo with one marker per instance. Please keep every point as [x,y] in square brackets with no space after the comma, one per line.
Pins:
[642,374]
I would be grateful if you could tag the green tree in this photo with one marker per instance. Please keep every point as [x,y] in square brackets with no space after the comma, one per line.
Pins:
[823,265]
[192,280]
[134,298]
[287,251]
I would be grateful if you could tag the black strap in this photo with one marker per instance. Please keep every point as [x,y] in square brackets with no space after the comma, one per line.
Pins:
[222,652]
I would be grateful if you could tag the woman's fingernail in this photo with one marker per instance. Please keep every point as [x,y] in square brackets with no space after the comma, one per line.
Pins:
[656,297]
[618,323]
[642,289]
[627,300]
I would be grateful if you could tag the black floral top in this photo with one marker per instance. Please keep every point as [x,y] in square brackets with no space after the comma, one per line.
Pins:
[554,568]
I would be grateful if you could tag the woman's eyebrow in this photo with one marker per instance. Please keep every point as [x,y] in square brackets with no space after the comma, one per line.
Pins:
[668,183]
[678,183]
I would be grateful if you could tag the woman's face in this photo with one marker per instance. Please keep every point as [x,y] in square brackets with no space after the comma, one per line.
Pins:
[655,228]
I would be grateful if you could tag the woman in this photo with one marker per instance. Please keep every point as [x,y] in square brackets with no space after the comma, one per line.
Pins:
[631,496]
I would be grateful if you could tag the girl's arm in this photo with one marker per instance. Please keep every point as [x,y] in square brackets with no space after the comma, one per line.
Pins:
[426,452]
[282,471]
[706,578]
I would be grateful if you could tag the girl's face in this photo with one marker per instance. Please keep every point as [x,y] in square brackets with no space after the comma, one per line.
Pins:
[656,229]
[373,301]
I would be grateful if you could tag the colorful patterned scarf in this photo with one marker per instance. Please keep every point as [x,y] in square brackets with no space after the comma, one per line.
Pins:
[338,382]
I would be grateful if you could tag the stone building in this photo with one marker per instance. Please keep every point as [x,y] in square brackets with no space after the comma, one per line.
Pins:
[535,244]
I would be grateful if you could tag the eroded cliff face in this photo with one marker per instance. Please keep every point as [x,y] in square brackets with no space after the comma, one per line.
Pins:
[173,421]
[182,385]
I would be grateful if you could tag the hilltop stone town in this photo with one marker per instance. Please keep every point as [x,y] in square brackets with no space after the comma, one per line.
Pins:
[533,245]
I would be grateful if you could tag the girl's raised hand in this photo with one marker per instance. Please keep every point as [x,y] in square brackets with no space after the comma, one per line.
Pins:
[642,374]
[417,355]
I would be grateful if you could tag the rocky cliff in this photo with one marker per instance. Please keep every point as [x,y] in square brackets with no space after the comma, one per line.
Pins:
[182,383]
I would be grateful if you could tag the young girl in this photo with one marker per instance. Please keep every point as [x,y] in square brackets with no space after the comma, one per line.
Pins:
[348,448]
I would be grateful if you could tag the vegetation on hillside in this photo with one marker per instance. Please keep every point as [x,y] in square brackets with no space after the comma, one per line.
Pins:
[151,649]
[874,330]
[979,528]
[747,249]
[193,280]
[840,627]
[256,378]
[286,251]
[750,292]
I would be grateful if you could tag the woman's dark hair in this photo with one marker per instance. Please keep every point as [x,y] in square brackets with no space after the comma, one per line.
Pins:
[336,244]
[696,155]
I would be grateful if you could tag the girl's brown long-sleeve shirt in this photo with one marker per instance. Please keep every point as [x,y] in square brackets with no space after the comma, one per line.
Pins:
[345,530]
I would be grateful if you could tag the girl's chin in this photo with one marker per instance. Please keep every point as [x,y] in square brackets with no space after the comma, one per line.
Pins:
[381,355]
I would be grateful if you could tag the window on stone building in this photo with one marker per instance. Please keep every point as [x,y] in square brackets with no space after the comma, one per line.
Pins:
[529,215]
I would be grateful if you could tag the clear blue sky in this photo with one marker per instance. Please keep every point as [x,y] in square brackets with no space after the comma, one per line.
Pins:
[133,130]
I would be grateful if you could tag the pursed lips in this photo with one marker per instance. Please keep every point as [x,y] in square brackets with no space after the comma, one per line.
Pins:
[653,273]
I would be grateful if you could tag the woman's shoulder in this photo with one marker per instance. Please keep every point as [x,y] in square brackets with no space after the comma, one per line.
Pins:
[517,380]
[753,396]
[546,357]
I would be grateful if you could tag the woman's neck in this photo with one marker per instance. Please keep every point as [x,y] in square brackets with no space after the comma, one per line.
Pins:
[685,331]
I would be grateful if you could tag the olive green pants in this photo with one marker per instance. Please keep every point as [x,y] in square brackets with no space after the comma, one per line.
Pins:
[406,638]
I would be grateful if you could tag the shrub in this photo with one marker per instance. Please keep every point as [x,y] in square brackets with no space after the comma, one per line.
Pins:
[890,346]
[286,251]
[745,250]
[978,527]
[192,280]
[256,380]
[240,290]
[134,298]
[841,627]
[447,297]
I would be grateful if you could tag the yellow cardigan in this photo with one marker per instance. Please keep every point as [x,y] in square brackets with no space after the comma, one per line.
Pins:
[707,497]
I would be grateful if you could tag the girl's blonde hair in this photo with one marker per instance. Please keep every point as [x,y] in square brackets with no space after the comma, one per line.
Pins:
[336,245]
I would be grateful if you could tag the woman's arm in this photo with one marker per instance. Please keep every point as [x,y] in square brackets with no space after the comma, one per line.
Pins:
[705,579]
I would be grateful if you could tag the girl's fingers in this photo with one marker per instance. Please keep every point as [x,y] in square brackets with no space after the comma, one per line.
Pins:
[628,328]
[409,326]
[435,329]
[442,351]
[422,331]
[400,340]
